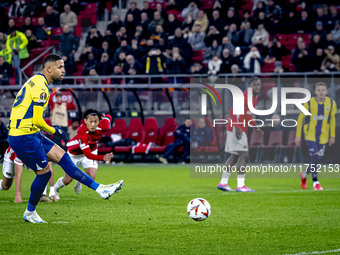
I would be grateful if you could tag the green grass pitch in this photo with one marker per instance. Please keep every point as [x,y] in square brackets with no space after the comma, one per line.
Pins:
[148,216]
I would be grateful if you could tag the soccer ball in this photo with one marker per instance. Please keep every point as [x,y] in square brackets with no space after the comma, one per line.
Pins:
[199,209]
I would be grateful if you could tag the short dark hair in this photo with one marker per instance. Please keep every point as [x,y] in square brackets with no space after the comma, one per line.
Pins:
[255,78]
[51,58]
[92,112]
[75,120]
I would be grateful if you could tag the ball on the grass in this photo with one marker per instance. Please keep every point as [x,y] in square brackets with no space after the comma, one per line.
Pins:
[199,209]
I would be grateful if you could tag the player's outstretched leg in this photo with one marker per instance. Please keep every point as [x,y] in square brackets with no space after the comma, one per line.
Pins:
[223,185]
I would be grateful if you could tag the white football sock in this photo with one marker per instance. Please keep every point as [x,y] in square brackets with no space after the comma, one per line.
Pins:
[52,193]
[45,191]
[304,174]
[1,185]
[240,180]
[59,184]
[225,178]
[99,189]
[314,183]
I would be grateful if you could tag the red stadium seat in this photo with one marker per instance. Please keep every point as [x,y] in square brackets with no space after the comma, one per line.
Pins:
[293,38]
[7,10]
[91,7]
[207,5]
[165,136]
[151,134]
[78,30]
[152,5]
[136,133]
[291,145]
[194,122]
[13,80]
[256,142]
[118,128]
[282,38]
[274,142]
[19,21]
[109,6]
[93,18]
[57,31]
[37,51]
[35,21]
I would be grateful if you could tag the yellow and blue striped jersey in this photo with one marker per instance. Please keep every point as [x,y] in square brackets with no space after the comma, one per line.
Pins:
[321,123]
[25,116]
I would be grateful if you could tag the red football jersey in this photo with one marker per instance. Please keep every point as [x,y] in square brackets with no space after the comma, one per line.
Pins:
[242,118]
[84,139]
[10,156]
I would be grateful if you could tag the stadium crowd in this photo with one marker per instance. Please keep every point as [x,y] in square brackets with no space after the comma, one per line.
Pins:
[179,37]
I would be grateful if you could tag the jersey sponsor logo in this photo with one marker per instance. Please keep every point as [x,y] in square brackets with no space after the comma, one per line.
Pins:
[31,83]
[170,133]
[134,133]
[152,133]
[319,117]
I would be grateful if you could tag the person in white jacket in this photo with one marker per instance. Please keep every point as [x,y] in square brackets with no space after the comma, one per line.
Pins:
[192,9]
[253,61]
[261,36]
[214,67]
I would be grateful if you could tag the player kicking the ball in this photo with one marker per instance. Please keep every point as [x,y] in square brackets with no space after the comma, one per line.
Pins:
[33,148]
[12,167]
[83,148]
[237,141]
[317,128]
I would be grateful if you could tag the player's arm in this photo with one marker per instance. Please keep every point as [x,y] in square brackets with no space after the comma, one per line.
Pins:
[299,126]
[105,122]
[70,105]
[85,147]
[332,123]
[38,109]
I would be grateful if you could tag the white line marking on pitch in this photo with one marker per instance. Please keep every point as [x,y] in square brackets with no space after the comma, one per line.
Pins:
[62,222]
[315,252]
[4,201]
[280,191]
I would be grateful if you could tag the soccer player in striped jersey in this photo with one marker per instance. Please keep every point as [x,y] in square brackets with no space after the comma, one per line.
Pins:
[33,148]
[83,148]
[319,129]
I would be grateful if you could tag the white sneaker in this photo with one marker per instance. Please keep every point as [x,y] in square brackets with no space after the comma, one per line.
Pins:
[106,191]
[32,217]
[77,186]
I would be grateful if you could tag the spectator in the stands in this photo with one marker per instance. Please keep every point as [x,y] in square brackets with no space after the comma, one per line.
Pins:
[246,17]
[32,40]
[320,31]
[180,42]
[32,9]
[288,25]
[86,51]
[121,34]
[321,16]
[68,43]
[130,26]
[109,37]
[140,35]
[238,58]
[196,39]
[132,67]
[245,35]
[40,31]
[147,9]
[6,53]
[227,61]
[72,130]
[261,20]
[17,43]
[134,11]
[153,61]
[319,57]
[11,25]
[5,71]
[176,64]
[191,10]
[163,13]
[278,68]
[333,17]
[124,47]
[212,35]
[233,34]
[197,68]
[91,63]
[106,48]
[260,7]
[187,26]
[253,61]
[157,20]
[276,49]
[115,25]
[260,38]
[202,20]
[28,25]
[201,136]
[226,44]
[304,24]
[121,61]
[68,18]
[144,23]
[75,6]
[171,25]
[104,66]
[230,19]
[316,43]
[332,56]
[273,10]
[117,71]
[136,49]
[336,32]
[160,36]
[328,66]
[3,38]
[214,67]
[213,50]
[94,38]
[4,24]
[51,17]
[69,67]
[303,58]
[17,8]
[216,21]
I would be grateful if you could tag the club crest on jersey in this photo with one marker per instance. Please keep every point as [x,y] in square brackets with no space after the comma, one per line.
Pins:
[328,108]
[43,96]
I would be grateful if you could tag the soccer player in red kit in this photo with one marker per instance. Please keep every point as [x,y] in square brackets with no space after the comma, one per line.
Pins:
[83,148]
[237,141]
